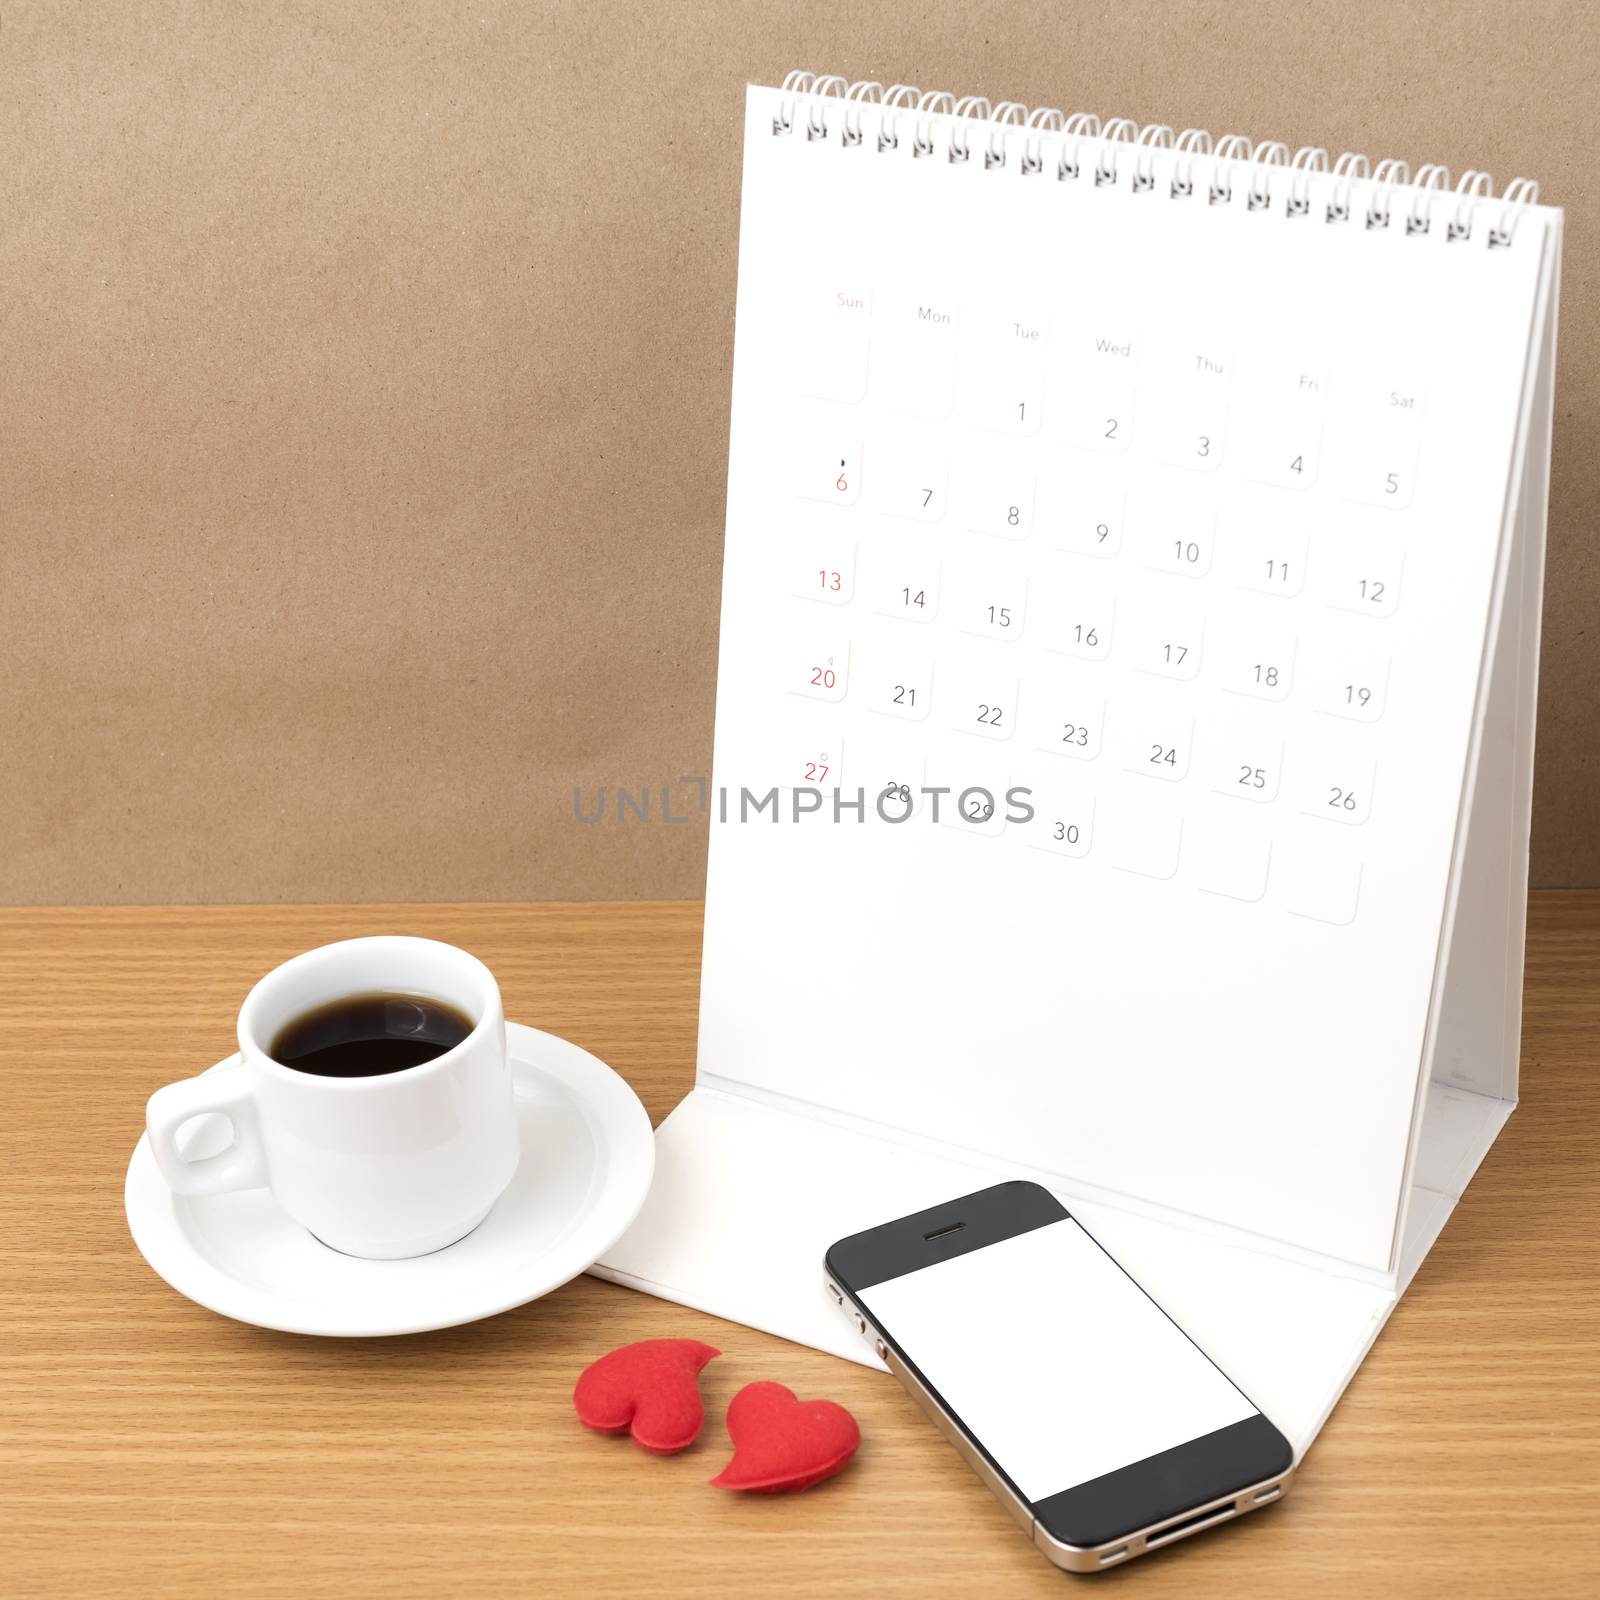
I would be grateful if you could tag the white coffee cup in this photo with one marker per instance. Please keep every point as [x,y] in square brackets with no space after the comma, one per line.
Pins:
[384,1167]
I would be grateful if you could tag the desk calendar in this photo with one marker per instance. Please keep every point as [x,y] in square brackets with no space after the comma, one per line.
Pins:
[1125,713]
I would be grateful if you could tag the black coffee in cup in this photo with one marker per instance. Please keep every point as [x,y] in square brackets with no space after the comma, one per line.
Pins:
[367,1035]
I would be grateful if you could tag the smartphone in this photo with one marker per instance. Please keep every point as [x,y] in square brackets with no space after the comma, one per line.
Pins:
[1102,1427]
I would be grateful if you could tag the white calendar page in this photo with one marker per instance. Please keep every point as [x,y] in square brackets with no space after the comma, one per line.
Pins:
[1186,520]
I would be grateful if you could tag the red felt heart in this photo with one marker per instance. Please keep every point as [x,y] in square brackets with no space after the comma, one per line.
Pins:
[651,1388]
[783,1443]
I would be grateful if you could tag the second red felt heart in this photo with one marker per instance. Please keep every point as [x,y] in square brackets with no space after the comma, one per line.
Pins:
[783,1443]
[651,1389]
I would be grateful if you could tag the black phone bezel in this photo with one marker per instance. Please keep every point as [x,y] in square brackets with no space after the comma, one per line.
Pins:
[1160,1487]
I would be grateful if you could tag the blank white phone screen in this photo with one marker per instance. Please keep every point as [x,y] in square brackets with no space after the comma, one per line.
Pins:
[1053,1358]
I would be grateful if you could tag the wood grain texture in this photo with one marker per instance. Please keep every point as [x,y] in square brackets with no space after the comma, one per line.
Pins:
[365,443]
[148,1447]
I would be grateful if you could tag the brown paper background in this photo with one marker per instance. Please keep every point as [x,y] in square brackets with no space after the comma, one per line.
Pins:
[364,386]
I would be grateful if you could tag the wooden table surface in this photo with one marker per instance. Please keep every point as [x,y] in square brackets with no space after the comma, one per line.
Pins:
[149,1447]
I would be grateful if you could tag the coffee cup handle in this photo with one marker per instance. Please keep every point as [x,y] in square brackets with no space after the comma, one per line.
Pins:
[228,1093]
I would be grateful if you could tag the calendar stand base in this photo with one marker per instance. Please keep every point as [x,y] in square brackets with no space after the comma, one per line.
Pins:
[722,1233]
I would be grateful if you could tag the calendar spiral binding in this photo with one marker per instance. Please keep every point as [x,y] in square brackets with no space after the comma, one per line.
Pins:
[1118,150]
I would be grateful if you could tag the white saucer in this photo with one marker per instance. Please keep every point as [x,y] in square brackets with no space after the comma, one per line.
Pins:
[587,1159]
